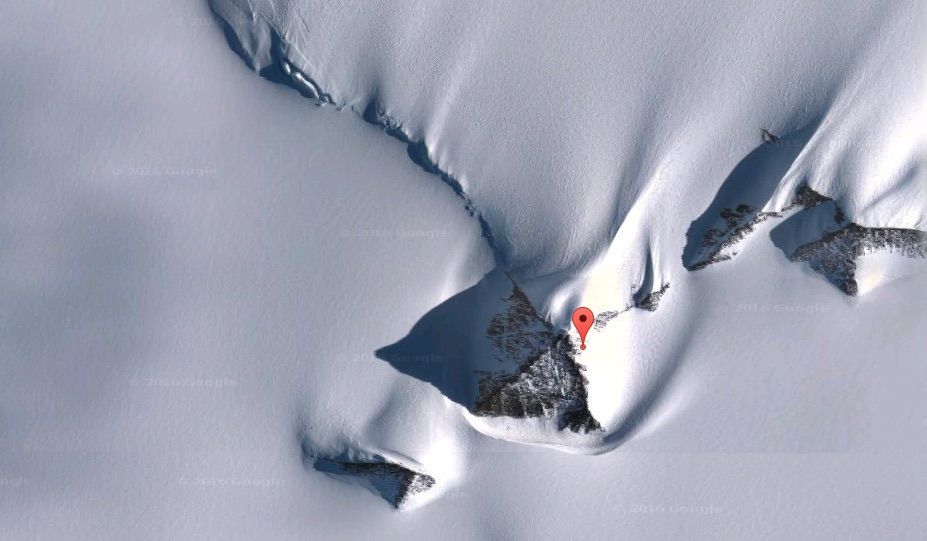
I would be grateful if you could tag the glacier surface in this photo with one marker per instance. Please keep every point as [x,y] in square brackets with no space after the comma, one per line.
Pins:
[339,307]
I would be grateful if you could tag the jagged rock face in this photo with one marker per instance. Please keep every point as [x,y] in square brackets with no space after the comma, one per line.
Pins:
[651,300]
[602,319]
[643,299]
[807,198]
[718,244]
[769,137]
[834,255]
[548,383]
[393,482]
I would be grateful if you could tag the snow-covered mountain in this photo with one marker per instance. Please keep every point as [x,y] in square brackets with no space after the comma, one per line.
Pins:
[594,165]
[339,307]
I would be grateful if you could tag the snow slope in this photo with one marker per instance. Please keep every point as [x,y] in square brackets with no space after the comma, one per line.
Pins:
[558,139]
[188,261]
[594,165]
[228,313]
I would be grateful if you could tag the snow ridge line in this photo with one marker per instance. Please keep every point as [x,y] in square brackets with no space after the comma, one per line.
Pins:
[282,71]
[375,113]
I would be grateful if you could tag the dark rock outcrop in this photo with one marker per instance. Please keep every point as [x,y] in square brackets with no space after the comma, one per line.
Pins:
[643,299]
[768,136]
[547,383]
[719,243]
[393,482]
[834,255]
[650,300]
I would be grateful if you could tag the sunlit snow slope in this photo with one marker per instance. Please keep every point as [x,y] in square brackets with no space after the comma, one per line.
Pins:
[563,121]
[226,313]
[609,150]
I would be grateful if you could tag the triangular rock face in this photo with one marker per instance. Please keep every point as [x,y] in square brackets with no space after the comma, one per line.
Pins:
[546,383]
[834,255]
[519,333]
[395,483]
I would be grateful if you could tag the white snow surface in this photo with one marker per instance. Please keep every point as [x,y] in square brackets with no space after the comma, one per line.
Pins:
[197,267]
[589,136]
[563,119]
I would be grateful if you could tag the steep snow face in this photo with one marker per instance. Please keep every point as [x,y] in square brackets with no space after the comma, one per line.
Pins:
[559,119]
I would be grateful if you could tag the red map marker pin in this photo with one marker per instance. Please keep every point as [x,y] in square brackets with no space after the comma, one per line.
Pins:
[582,320]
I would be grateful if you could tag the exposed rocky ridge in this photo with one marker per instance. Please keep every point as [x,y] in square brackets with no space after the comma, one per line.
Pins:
[395,483]
[547,383]
[644,300]
[651,300]
[719,243]
[768,136]
[834,255]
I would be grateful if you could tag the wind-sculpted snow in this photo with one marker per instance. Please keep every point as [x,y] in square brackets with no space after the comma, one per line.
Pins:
[267,52]
[584,197]
[720,243]
[591,164]
[556,140]
[230,314]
